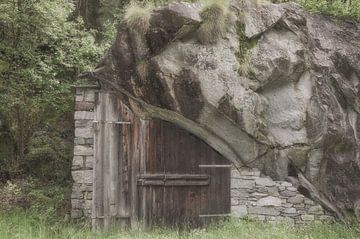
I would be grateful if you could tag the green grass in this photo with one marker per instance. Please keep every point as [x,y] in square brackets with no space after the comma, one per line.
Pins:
[26,225]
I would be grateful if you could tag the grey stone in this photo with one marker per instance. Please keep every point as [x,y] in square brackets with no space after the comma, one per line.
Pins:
[239,211]
[88,196]
[265,182]
[82,176]
[318,210]
[87,204]
[79,141]
[273,191]
[301,205]
[240,183]
[291,189]
[263,211]
[286,184]
[89,162]
[84,106]
[287,193]
[250,172]
[76,195]
[77,203]
[261,18]
[234,201]
[269,201]
[76,213]
[78,162]
[89,96]
[239,193]
[296,199]
[79,98]
[89,141]
[290,210]
[84,132]
[84,115]
[84,123]
[309,201]
[326,218]
[81,150]
[259,195]
[307,217]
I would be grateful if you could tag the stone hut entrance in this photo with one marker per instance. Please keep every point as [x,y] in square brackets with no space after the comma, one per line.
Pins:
[128,171]
[153,172]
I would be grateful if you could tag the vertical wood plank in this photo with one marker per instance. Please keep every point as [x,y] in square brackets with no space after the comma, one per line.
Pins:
[98,189]
[106,164]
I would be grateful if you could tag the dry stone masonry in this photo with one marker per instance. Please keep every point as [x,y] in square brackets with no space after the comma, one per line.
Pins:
[252,194]
[259,197]
[82,173]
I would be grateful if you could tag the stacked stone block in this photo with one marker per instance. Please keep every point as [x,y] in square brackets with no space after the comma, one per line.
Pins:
[82,173]
[260,197]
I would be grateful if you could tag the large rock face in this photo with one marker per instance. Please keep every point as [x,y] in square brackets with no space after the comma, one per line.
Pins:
[294,113]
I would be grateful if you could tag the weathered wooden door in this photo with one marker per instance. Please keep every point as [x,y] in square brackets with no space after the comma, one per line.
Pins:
[182,180]
[152,171]
[116,155]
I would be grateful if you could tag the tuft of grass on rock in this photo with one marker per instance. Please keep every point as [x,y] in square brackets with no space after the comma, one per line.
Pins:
[137,16]
[216,18]
[142,69]
[245,49]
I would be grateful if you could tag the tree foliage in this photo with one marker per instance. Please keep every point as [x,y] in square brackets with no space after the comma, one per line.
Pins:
[41,52]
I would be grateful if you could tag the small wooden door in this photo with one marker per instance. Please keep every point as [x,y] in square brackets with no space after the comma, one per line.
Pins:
[182,180]
[153,172]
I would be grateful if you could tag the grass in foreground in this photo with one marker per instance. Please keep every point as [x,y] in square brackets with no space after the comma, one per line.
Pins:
[21,224]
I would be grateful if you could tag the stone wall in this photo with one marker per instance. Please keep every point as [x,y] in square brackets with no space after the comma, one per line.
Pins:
[260,197]
[82,173]
[252,195]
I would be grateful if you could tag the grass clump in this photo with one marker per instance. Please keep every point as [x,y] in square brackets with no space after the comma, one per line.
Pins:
[142,69]
[216,17]
[137,16]
[245,48]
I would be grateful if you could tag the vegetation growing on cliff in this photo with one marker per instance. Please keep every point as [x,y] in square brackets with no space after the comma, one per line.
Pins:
[213,27]
[343,8]
[244,53]
[137,16]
